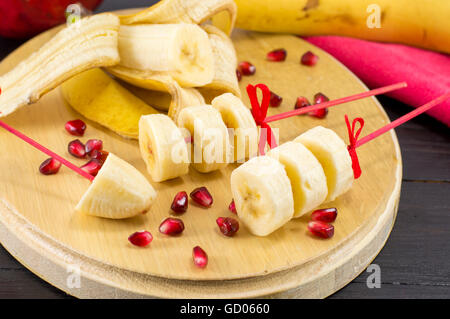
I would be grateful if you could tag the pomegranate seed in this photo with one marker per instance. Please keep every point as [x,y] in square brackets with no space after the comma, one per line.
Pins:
[301,102]
[76,148]
[171,226]
[141,238]
[99,155]
[321,229]
[202,196]
[275,100]
[180,203]
[327,215]
[200,257]
[50,166]
[309,59]
[92,145]
[246,68]
[76,127]
[277,55]
[232,207]
[320,98]
[92,167]
[227,225]
[238,75]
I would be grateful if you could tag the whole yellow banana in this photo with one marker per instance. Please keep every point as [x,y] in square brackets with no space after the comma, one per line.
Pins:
[422,23]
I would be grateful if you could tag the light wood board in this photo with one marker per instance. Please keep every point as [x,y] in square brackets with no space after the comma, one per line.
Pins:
[40,228]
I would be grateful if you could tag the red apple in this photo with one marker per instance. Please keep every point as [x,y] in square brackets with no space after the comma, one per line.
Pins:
[25,18]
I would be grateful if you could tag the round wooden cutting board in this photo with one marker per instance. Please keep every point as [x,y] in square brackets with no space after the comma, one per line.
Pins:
[39,227]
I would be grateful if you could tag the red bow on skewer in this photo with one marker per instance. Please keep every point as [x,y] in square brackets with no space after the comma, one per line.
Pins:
[259,113]
[353,138]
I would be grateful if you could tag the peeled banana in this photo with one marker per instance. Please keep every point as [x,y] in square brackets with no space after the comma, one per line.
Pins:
[333,155]
[262,194]
[118,191]
[91,42]
[163,147]
[211,148]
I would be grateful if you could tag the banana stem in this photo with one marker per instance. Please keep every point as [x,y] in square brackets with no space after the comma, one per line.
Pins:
[354,97]
[46,151]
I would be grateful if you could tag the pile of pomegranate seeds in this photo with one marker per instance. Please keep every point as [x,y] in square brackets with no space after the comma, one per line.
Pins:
[309,59]
[200,257]
[141,238]
[277,55]
[228,226]
[232,207]
[327,215]
[180,202]
[99,155]
[318,98]
[320,225]
[171,226]
[76,127]
[77,149]
[275,100]
[238,75]
[301,102]
[202,196]
[93,145]
[246,68]
[92,167]
[50,166]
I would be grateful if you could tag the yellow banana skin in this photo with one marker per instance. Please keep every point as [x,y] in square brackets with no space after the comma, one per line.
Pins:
[421,23]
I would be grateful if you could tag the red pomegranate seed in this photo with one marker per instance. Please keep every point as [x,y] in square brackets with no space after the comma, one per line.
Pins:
[246,68]
[321,229]
[227,225]
[92,167]
[180,203]
[277,55]
[275,100]
[309,59]
[171,226]
[200,257]
[141,238]
[99,155]
[202,196]
[301,102]
[50,166]
[232,207]
[76,127]
[77,149]
[92,145]
[320,98]
[238,75]
[327,215]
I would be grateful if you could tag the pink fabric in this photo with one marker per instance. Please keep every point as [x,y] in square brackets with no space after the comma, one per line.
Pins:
[377,64]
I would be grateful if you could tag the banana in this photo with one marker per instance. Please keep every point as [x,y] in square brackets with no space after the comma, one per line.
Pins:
[225,63]
[118,191]
[308,181]
[333,155]
[222,12]
[263,195]
[211,148]
[415,22]
[101,99]
[91,42]
[152,55]
[163,147]
[244,136]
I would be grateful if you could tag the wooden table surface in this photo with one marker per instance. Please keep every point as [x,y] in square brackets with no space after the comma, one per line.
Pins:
[415,263]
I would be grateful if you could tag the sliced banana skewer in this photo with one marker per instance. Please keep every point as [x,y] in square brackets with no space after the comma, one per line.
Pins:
[91,42]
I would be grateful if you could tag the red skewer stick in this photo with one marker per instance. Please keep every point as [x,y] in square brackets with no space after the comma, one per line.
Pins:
[47,151]
[323,105]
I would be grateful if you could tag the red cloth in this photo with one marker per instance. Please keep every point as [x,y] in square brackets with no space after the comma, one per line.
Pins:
[378,64]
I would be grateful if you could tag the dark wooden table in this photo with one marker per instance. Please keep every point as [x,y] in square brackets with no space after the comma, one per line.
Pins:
[415,263]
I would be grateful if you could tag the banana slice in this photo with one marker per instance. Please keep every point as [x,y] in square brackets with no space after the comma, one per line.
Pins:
[225,79]
[236,116]
[308,181]
[222,12]
[263,195]
[152,54]
[163,147]
[91,42]
[333,155]
[118,191]
[211,148]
